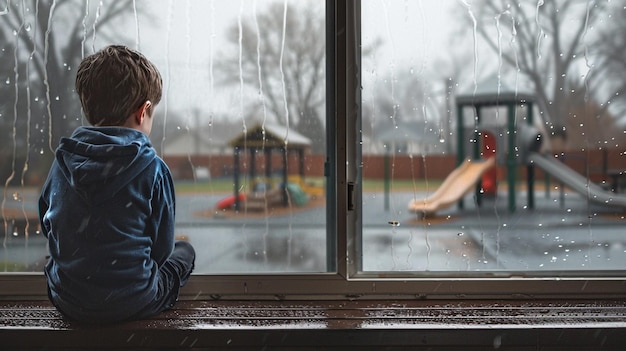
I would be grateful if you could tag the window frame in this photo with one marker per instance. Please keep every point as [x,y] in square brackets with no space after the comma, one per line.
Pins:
[345,280]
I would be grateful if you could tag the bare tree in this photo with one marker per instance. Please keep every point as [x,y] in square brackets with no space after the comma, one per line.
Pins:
[402,98]
[590,125]
[546,42]
[283,62]
[42,44]
[610,51]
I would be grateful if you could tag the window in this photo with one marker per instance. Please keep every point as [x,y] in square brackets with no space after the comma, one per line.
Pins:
[518,90]
[240,124]
[350,148]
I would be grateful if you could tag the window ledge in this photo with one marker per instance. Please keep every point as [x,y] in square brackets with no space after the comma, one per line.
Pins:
[362,324]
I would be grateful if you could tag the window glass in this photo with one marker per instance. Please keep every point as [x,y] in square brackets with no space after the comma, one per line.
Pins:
[241,123]
[493,136]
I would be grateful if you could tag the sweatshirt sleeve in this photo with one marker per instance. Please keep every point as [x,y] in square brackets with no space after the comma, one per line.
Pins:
[43,203]
[43,208]
[163,215]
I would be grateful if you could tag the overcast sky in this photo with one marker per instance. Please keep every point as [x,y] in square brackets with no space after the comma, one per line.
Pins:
[184,36]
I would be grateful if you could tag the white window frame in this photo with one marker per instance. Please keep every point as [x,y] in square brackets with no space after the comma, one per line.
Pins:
[346,281]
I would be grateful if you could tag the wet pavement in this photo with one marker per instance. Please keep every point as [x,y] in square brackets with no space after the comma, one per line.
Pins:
[563,233]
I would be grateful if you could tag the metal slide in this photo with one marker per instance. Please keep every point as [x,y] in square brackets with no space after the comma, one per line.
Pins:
[576,181]
[458,183]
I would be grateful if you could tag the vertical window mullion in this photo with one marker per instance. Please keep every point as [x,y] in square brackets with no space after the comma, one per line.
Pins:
[346,89]
[333,225]
[354,135]
[342,99]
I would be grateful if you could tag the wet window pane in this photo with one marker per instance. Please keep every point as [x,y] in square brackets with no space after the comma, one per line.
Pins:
[241,123]
[493,136]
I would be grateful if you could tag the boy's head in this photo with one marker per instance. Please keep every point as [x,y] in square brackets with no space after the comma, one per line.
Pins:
[117,83]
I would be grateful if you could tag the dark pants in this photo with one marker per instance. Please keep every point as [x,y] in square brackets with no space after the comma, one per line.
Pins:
[173,274]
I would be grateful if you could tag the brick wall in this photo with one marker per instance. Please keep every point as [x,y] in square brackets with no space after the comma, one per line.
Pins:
[592,163]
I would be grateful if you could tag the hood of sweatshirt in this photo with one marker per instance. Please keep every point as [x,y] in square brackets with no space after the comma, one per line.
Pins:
[99,161]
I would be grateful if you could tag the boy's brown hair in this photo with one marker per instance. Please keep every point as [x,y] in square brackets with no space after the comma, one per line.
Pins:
[114,82]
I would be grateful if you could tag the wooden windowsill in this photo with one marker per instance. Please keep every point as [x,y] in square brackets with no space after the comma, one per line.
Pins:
[370,324]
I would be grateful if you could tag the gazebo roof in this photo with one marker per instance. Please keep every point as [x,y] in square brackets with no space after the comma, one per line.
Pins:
[270,135]
[494,91]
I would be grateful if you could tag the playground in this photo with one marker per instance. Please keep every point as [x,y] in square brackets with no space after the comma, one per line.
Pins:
[499,148]
[509,205]
[562,235]
[563,231]
[482,217]
[516,144]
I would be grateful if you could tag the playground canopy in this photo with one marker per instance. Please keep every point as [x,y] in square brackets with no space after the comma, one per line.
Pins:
[268,137]
[493,91]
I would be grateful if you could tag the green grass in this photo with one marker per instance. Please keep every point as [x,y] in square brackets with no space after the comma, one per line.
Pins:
[401,185]
[221,185]
[6,266]
[214,186]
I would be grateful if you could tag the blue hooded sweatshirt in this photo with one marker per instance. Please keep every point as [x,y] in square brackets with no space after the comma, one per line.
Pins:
[107,209]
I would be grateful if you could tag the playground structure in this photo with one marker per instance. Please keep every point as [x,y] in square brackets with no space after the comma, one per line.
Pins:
[576,181]
[465,177]
[267,193]
[492,93]
[270,190]
[522,142]
[311,188]
[456,185]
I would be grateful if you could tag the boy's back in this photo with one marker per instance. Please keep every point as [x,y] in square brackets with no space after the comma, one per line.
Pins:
[105,241]
[107,207]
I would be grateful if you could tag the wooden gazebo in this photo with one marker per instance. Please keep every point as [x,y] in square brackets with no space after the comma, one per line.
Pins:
[268,138]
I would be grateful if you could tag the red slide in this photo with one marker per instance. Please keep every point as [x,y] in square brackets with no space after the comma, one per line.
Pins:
[229,201]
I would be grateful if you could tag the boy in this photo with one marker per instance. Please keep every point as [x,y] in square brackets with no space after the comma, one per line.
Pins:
[107,207]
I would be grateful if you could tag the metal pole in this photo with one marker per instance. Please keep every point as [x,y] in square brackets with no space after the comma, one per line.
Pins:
[511,157]
[386,181]
[236,176]
[477,146]
[530,168]
[460,156]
